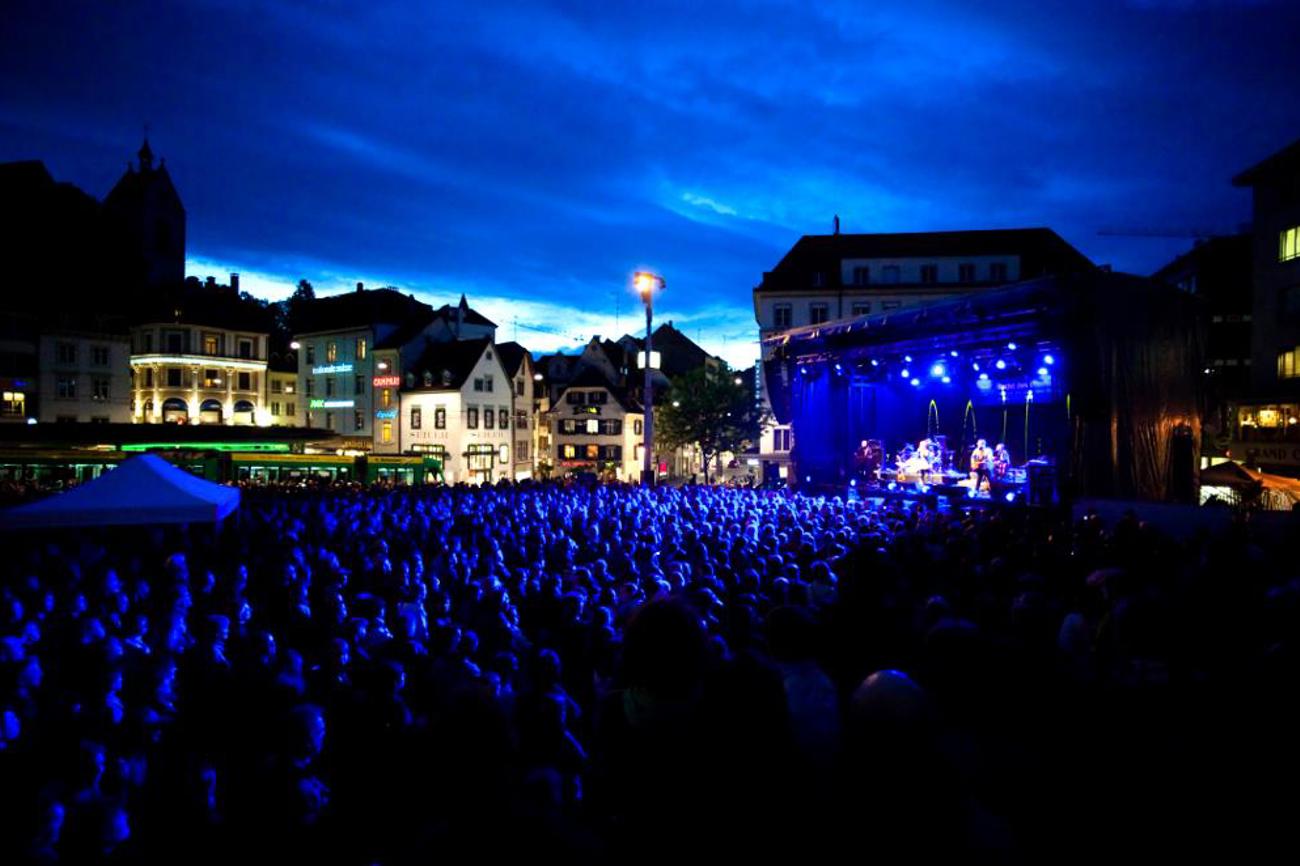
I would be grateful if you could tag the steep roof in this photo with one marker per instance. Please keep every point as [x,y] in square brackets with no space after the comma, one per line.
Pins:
[1286,162]
[591,377]
[133,187]
[1041,251]
[406,331]
[450,363]
[360,309]
[512,356]
[471,316]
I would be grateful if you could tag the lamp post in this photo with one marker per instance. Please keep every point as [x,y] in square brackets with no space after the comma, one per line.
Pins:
[646,283]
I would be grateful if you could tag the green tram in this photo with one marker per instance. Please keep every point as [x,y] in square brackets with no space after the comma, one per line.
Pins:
[70,466]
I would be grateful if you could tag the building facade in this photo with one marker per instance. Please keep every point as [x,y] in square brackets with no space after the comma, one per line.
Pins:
[85,377]
[184,373]
[455,406]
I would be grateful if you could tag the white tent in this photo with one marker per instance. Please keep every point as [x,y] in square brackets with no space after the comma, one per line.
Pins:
[142,490]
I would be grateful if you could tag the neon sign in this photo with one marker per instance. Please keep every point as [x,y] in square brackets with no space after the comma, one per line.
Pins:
[386,381]
[386,414]
[332,368]
[318,403]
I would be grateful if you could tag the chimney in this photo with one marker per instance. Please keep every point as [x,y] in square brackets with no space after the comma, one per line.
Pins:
[837,224]
[234,282]
[211,282]
[361,287]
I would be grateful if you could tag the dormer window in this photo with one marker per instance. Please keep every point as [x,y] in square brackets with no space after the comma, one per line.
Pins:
[428,379]
[410,380]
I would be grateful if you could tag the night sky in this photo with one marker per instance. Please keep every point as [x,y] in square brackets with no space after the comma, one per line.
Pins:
[534,154]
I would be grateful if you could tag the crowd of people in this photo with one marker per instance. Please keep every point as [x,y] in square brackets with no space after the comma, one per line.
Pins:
[622,673]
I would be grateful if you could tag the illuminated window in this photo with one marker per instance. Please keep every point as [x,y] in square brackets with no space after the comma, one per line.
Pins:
[569,451]
[818,313]
[440,418]
[15,404]
[386,398]
[593,452]
[417,418]
[503,419]
[331,352]
[386,432]
[211,344]
[782,315]
[211,378]
[636,427]
[489,419]
[503,454]
[1288,246]
[361,348]
[480,457]
[1288,364]
[593,425]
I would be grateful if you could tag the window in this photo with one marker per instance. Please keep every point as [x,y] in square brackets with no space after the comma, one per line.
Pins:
[276,386]
[99,388]
[386,432]
[65,353]
[329,420]
[417,418]
[929,273]
[860,308]
[636,427]
[99,356]
[386,398]
[361,348]
[818,313]
[478,384]
[211,378]
[311,353]
[503,419]
[1288,364]
[891,305]
[489,419]
[148,377]
[290,409]
[311,387]
[480,457]
[598,398]
[519,387]
[329,386]
[568,425]
[781,439]
[611,427]
[428,379]
[593,426]
[275,407]
[574,397]
[782,316]
[503,454]
[148,342]
[176,341]
[966,272]
[14,404]
[289,387]
[818,278]
[245,381]
[521,419]
[592,452]
[891,273]
[246,348]
[487,384]
[331,352]
[998,272]
[471,417]
[358,420]
[521,449]
[65,388]
[174,377]
[440,418]
[861,275]
[569,451]
[211,344]
[1288,244]
[611,452]
[358,385]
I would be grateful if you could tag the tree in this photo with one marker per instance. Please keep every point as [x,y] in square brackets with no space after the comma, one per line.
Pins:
[710,409]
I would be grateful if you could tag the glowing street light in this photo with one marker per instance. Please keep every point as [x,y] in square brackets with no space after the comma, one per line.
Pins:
[646,283]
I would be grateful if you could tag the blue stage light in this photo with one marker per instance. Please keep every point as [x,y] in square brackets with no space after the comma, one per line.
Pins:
[975,365]
[1011,346]
[1011,497]
[875,363]
[1042,371]
[907,358]
[803,370]
[1001,364]
[1049,360]
[906,373]
[916,382]
[893,485]
[953,353]
[946,380]
[853,482]
[937,370]
[984,377]
[839,369]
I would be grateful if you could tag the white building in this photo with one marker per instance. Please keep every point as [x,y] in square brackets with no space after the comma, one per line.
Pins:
[839,276]
[596,427]
[84,377]
[456,407]
[518,365]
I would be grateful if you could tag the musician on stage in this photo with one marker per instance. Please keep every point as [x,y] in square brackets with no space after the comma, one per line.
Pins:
[1001,461]
[980,459]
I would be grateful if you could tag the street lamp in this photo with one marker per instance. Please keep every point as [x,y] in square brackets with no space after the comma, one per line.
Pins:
[646,283]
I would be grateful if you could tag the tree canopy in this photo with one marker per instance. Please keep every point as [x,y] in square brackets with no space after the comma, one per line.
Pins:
[711,409]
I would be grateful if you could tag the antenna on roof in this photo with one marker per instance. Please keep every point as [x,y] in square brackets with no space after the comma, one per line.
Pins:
[837,224]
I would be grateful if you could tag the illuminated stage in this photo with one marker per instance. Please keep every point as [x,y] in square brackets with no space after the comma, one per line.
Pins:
[1090,381]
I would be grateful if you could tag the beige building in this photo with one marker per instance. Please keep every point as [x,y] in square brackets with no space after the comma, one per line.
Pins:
[197,374]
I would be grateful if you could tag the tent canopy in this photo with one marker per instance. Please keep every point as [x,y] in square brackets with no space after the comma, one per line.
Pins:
[142,490]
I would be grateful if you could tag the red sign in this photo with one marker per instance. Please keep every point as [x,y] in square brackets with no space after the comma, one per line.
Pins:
[386,381]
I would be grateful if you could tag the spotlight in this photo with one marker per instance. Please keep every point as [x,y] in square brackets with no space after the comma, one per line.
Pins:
[953,353]
[1011,497]
[875,363]
[1042,371]
[808,479]
[893,485]
[838,369]
[975,365]
[906,373]
[853,482]
[916,382]
[946,380]
[1049,360]
[1001,364]
[803,370]
[1011,346]
[938,370]
[907,358]
[984,377]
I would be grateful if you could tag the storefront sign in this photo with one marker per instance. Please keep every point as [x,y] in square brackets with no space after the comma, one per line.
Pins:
[332,368]
[1266,453]
[386,414]
[386,381]
[331,404]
